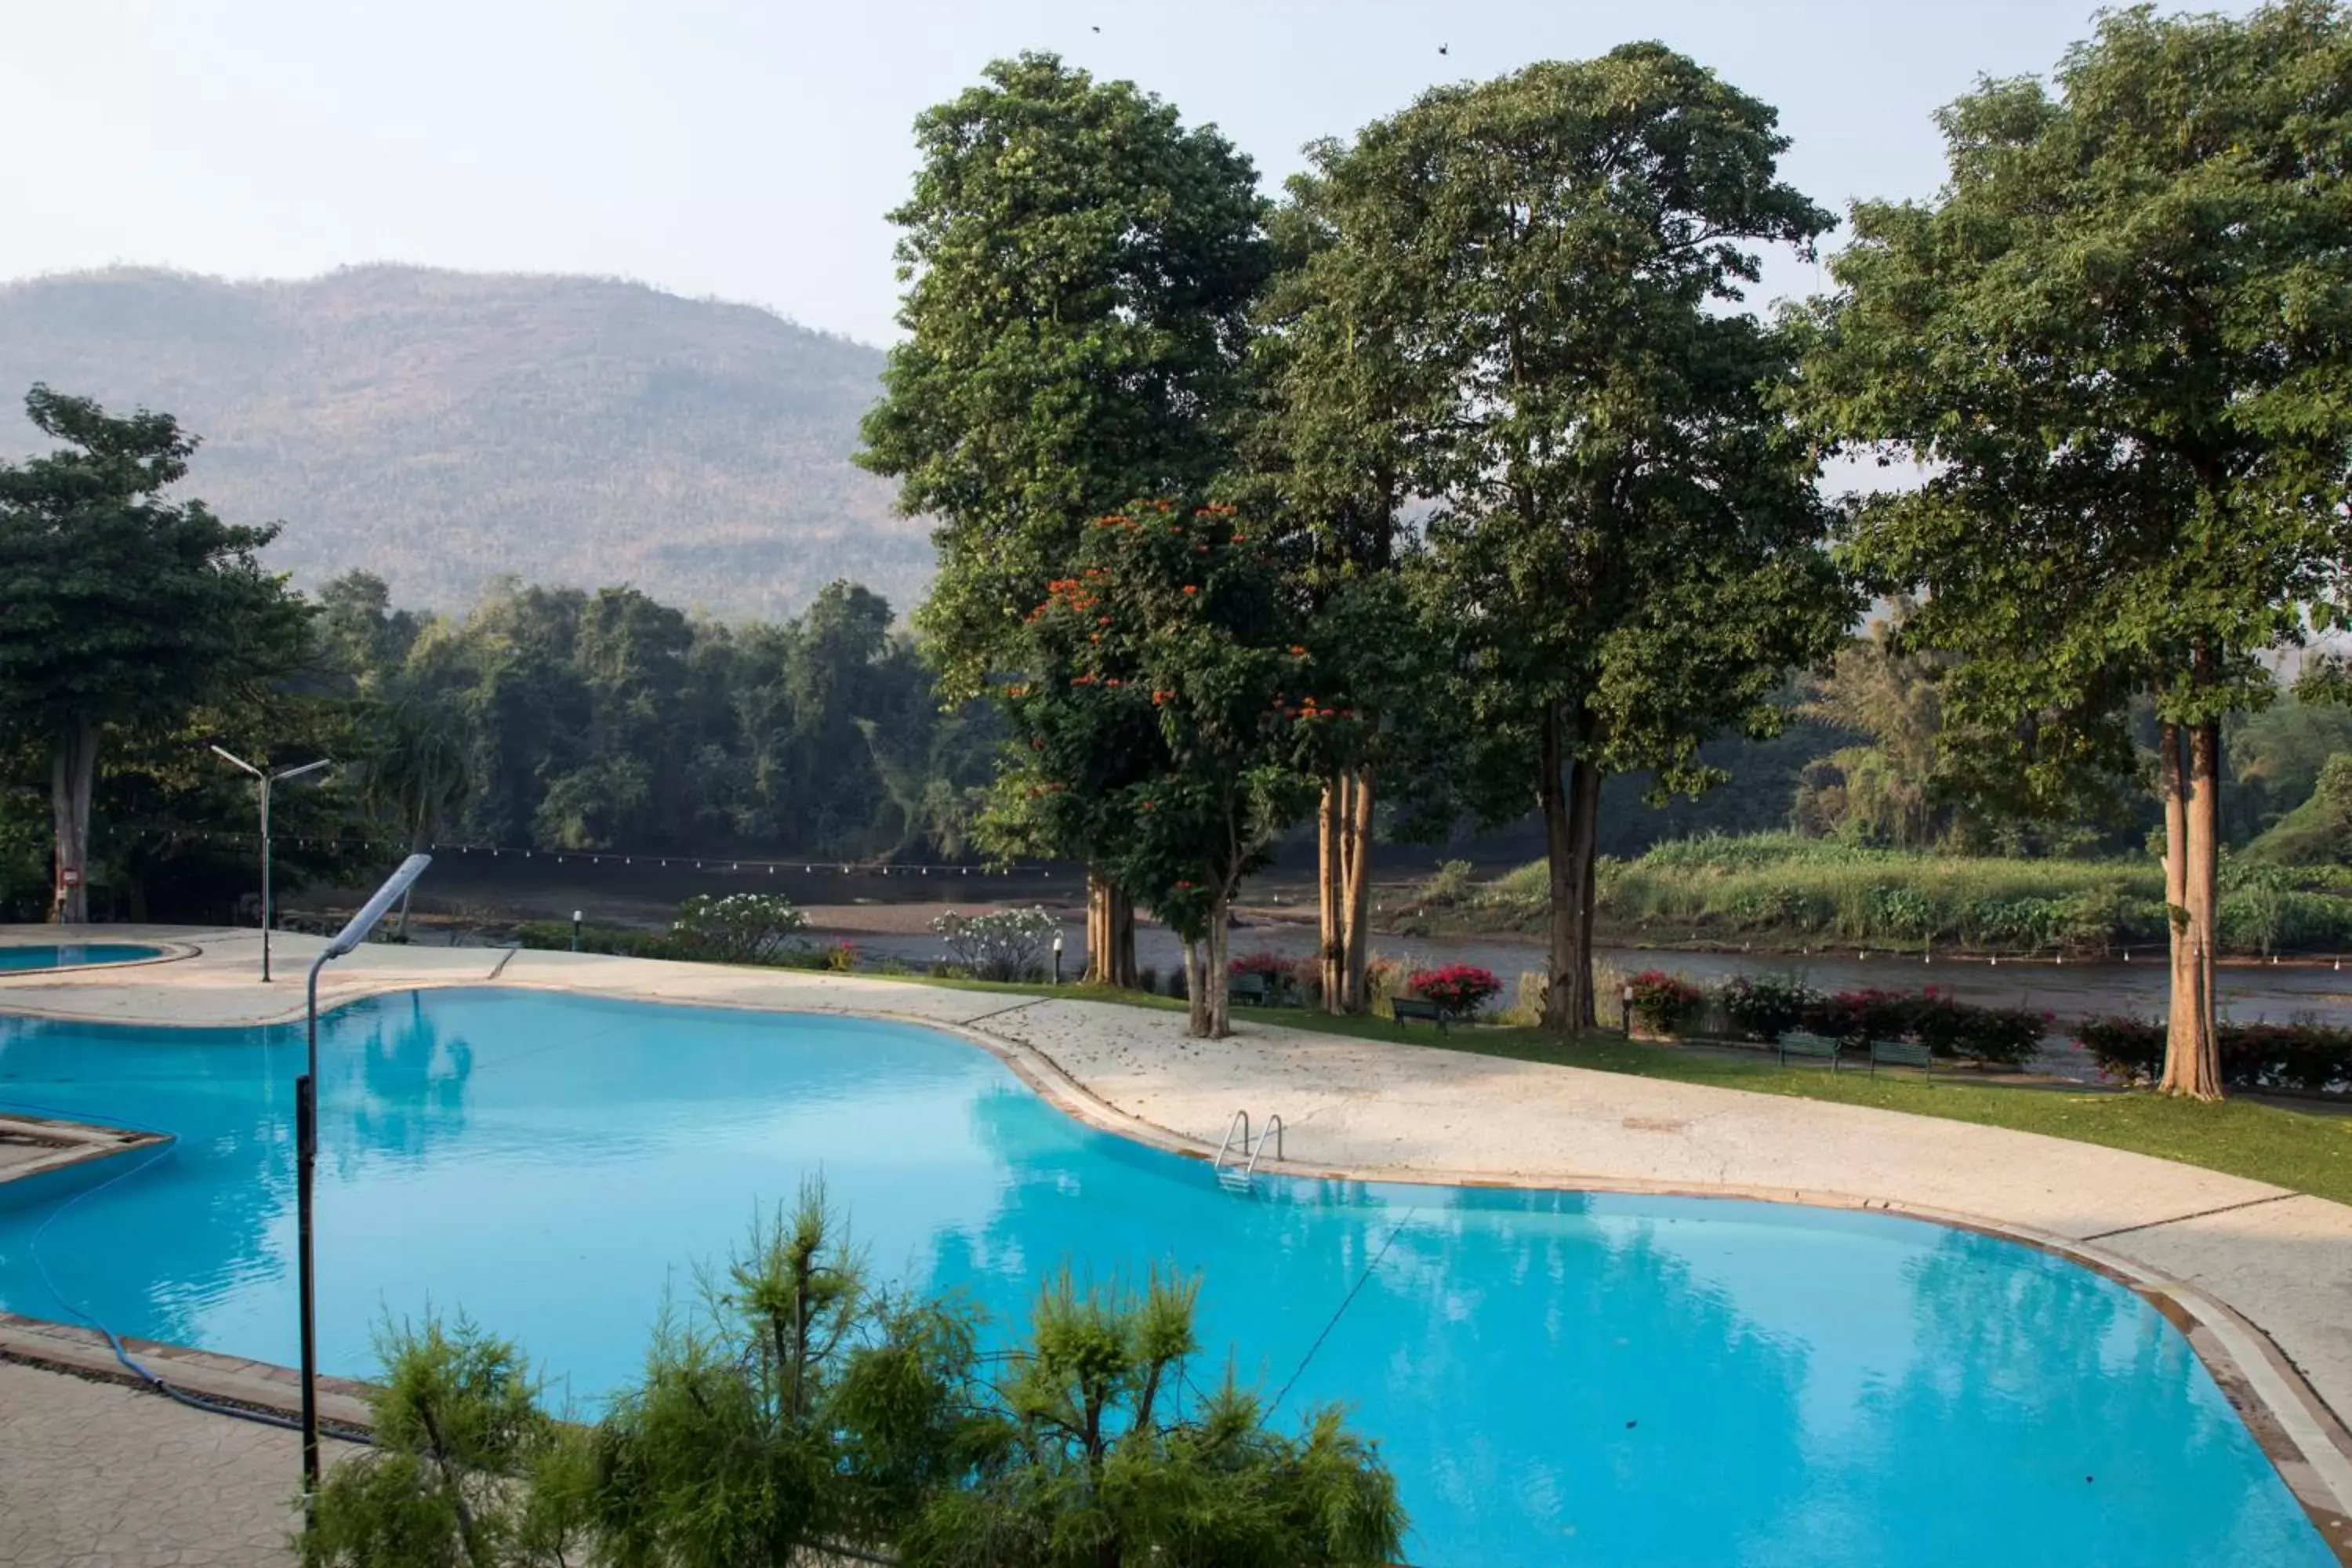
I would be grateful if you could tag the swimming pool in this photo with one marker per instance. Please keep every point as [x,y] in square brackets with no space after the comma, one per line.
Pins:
[72,954]
[1556,1377]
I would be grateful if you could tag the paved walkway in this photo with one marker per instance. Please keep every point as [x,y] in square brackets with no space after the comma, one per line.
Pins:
[2279,1260]
[97,1476]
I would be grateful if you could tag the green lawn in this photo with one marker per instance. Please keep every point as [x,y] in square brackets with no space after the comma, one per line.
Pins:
[2308,1151]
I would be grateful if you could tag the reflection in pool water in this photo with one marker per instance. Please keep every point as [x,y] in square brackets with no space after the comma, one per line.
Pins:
[70,954]
[1556,1377]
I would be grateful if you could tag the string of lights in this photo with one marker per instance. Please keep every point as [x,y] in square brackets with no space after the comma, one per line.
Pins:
[662,860]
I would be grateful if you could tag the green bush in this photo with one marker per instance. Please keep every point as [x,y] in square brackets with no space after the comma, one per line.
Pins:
[1762,1007]
[2315,1058]
[740,928]
[1002,944]
[1665,1004]
[555,936]
[1449,884]
[1776,883]
[797,1414]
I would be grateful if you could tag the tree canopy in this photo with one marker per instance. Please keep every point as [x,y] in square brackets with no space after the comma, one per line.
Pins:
[2119,343]
[1623,535]
[121,610]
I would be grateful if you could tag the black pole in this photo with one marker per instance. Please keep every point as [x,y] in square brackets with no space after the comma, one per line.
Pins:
[306,1154]
[265,880]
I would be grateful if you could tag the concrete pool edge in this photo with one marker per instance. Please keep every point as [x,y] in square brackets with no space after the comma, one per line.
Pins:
[166,951]
[2285,1412]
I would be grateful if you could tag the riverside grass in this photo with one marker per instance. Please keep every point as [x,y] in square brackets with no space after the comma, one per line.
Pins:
[1781,889]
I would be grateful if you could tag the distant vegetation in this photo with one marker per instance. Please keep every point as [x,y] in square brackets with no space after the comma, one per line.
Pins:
[1780,891]
[443,429]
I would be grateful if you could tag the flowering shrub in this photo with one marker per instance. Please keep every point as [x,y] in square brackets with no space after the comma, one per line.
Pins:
[1665,1004]
[1460,989]
[742,928]
[2008,1035]
[841,957]
[1761,1007]
[1861,1016]
[1006,945]
[2313,1057]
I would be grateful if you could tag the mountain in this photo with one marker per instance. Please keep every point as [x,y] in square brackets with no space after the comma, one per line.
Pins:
[443,428]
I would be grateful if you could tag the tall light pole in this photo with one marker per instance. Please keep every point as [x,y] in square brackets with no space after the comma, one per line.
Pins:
[305,1155]
[262,781]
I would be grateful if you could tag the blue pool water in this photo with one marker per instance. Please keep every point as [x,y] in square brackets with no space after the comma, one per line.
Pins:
[62,955]
[1556,1377]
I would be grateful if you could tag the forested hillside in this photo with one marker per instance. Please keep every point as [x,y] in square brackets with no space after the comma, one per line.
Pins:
[443,429]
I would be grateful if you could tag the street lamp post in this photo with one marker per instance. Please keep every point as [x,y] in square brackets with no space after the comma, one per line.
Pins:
[262,782]
[1057,958]
[306,1154]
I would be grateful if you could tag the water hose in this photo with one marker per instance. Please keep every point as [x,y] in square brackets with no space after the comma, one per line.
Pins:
[130,1363]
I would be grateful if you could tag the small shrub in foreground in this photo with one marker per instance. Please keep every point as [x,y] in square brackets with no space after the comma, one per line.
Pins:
[1459,989]
[1665,1004]
[798,1414]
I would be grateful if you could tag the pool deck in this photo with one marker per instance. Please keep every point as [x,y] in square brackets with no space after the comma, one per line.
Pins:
[2260,1276]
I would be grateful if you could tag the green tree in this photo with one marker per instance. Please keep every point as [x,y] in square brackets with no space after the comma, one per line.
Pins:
[118,609]
[2119,343]
[1338,411]
[465,1470]
[1166,716]
[1090,1458]
[1623,542]
[2275,755]
[412,773]
[1882,792]
[1080,269]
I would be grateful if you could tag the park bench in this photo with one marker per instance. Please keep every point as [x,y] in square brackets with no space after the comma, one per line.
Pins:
[1248,991]
[1404,1009]
[1902,1053]
[1798,1043]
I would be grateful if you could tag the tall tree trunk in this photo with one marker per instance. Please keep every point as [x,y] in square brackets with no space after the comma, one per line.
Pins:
[1123,969]
[1356,902]
[1571,797]
[1208,974]
[2180,1044]
[73,771]
[1110,932]
[1330,893]
[1344,834]
[2192,1065]
[1584,861]
[1551,795]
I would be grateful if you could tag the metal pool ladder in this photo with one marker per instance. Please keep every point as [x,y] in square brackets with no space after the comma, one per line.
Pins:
[1246,1154]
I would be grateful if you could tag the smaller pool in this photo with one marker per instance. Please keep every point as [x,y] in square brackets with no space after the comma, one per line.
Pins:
[72,954]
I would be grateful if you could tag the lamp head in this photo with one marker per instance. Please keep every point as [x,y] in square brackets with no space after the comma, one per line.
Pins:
[355,932]
[232,758]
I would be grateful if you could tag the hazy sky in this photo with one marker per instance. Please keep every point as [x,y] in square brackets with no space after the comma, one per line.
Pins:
[748,150]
